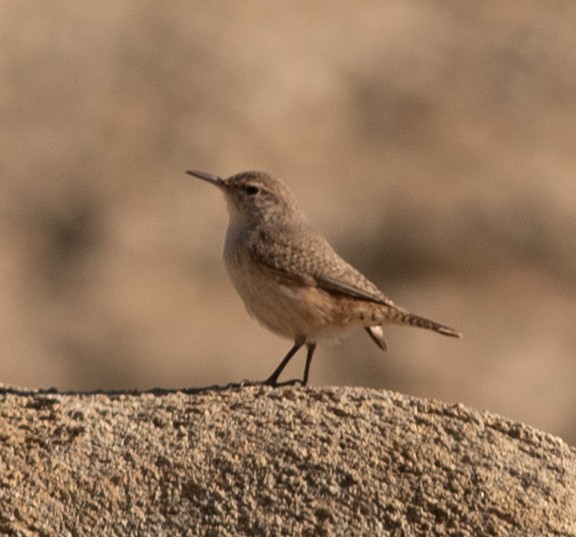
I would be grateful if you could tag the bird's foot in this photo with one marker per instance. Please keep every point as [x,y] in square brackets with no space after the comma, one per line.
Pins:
[275,384]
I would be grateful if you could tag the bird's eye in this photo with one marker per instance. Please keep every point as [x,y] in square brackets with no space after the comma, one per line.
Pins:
[252,190]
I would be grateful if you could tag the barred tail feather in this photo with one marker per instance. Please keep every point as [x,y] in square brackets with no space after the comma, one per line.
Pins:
[376,332]
[377,335]
[421,322]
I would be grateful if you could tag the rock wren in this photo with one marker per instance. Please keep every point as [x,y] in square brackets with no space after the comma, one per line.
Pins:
[291,279]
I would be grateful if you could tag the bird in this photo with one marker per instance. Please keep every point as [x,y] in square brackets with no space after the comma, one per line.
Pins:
[291,279]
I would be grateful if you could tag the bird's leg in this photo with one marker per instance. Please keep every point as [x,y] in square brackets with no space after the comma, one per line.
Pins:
[311,348]
[272,380]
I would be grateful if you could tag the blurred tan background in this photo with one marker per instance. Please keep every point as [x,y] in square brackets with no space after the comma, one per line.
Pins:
[434,142]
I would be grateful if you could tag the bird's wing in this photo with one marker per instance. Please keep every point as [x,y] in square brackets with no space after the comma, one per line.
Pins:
[341,285]
[314,262]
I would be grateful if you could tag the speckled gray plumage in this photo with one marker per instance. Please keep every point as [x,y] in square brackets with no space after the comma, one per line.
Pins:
[281,238]
[300,252]
[289,276]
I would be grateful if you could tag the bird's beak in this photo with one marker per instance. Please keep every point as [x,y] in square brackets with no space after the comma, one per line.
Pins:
[214,179]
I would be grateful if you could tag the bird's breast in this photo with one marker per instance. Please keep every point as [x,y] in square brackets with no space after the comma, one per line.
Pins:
[284,304]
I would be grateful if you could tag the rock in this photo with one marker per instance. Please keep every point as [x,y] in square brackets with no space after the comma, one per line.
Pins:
[285,461]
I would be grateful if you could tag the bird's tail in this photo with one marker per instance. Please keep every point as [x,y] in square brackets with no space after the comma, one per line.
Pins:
[396,315]
[410,319]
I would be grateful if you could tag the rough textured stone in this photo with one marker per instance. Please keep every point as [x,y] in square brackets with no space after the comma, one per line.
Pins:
[286,461]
